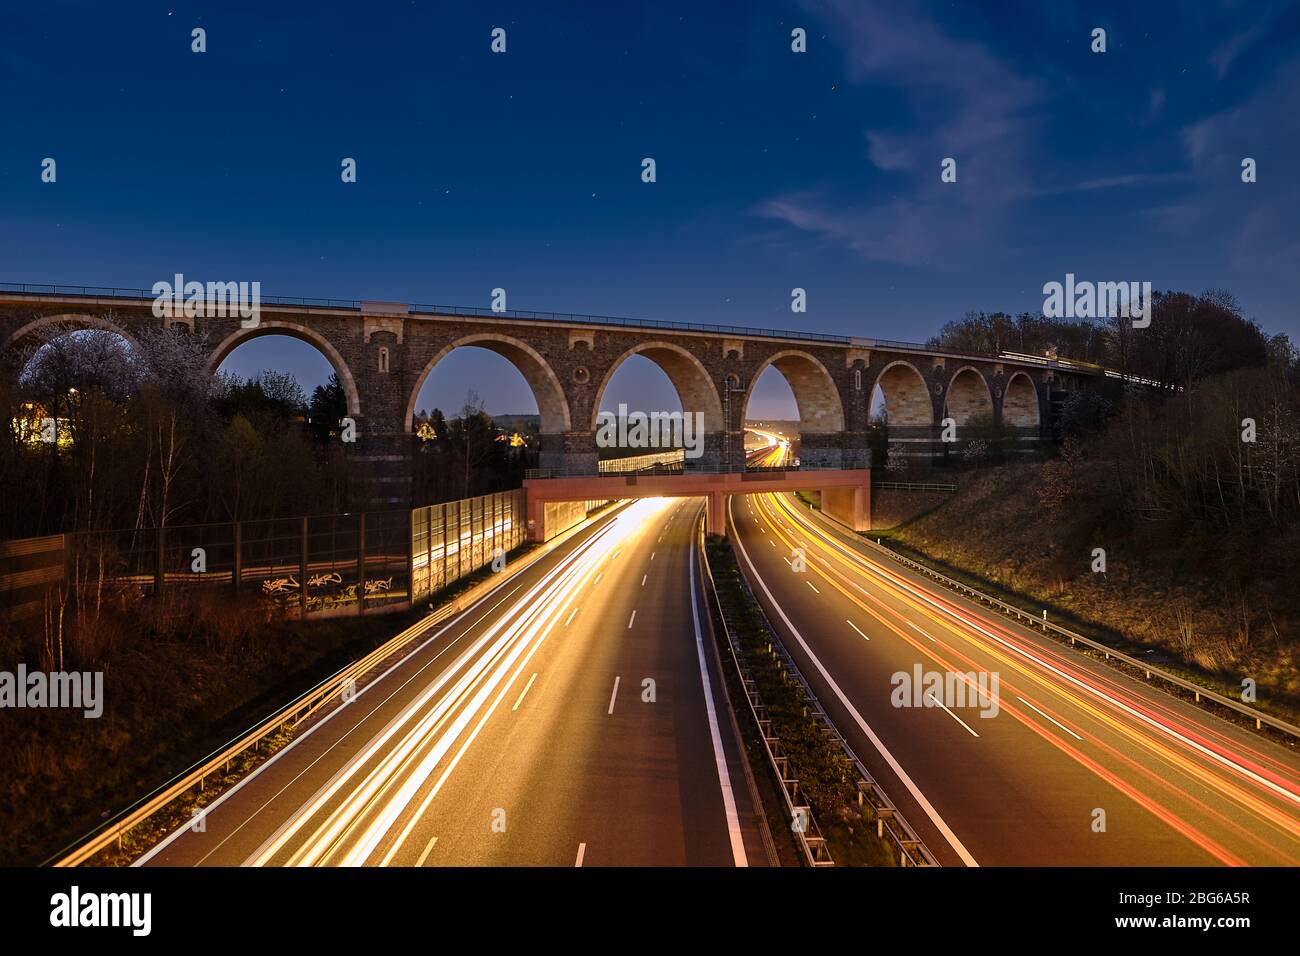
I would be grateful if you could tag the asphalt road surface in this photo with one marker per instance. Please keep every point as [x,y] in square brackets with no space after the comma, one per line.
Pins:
[571,717]
[1076,764]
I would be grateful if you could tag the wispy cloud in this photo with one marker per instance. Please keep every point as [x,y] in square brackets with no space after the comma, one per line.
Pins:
[963,102]
[1255,220]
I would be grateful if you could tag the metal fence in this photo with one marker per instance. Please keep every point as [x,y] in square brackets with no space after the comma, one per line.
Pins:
[452,540]
[341,562]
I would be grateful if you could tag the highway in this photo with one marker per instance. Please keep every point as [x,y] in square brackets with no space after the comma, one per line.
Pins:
[1077,764]
[572,717]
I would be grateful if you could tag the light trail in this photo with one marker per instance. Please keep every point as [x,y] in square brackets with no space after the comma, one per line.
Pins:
[1174,744]
[350,818]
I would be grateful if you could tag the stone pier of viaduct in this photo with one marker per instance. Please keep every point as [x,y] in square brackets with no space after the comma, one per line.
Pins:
[383,352]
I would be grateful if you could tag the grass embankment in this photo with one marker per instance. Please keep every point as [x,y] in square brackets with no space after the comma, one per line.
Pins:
[827,778]
[1212,609]
[179,682]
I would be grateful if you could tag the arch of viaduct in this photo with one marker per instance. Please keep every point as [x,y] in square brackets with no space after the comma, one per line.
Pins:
[383,352]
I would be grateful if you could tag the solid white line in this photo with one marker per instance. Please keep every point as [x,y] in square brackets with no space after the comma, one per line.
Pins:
[952,715]
[185,828]
[813,586]
[858,629]
[613,696]
[525,691]
[911,625]
[720,755]
[582,851]
[908,782]
[1052,719]
[569,619]
[880,572]
[630,620]
[425,855]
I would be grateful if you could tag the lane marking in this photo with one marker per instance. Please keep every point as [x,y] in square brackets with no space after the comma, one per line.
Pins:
[952,715]
[425,855]
[813,586]
[1052,719]
[613,696]
[582,851]
[910,624]
[858,629]
[719,755]
[630,620]
[643,577]
[889,758]
[652,555]
[525,691]
[598,577]
[569,619]
[1028,653]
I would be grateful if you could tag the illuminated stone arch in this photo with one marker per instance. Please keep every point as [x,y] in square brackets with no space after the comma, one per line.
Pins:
[694,385]
[967,398]
[1020,402]
[552,405]
[293,330]
[907,398]
[821,410]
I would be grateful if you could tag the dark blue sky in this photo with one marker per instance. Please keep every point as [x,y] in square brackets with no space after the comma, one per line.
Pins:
[775,169]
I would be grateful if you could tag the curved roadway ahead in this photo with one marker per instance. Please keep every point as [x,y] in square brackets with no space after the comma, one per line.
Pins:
[1070,739]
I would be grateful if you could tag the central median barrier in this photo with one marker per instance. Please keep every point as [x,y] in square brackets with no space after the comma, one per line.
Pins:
[846,493]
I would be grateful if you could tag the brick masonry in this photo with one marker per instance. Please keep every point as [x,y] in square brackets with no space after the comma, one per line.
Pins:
[383,355]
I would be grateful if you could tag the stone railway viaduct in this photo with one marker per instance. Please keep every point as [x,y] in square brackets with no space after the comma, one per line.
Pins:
[383,352]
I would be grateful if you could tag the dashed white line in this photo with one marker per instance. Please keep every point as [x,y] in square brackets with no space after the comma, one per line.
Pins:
[910,624]
[613,696]
[582,851]
[952,715]
[813,586]
[1052,719]
[858,629]
[524,691]
[630,620]
[652,555]
[569,620]
[425,855]
[643,577]
[926,806]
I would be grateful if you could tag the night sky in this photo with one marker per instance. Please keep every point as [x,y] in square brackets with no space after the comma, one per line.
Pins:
[775,169]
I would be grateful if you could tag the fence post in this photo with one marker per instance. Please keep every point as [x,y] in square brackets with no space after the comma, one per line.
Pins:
[361,562]
[302,571]
[160,568]
[237,572]
[410,553]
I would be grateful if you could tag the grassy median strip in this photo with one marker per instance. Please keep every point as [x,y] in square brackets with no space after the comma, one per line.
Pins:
[827,778]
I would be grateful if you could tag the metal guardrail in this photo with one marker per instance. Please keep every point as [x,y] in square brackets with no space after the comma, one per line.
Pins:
[331,687]
[890,824]
[912,486]
[115,829]
[1074,637]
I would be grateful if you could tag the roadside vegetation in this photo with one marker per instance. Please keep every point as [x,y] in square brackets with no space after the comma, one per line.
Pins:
[182,677]
[1166,521]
